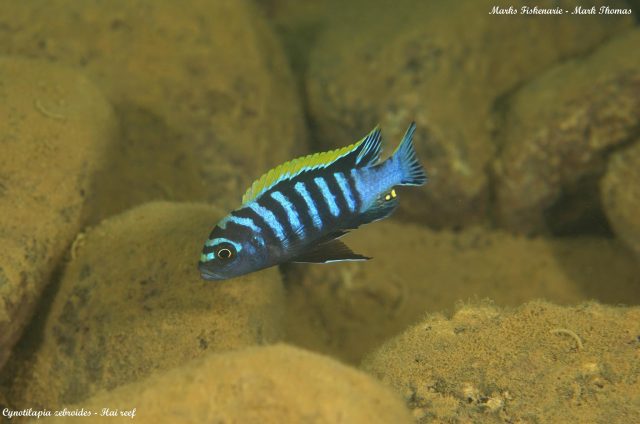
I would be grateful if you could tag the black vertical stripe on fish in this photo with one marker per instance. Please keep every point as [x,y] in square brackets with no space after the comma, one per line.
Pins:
[292,213]
[303,197]
[355,178]
[269,203]
[354,190]
[339,196]
[244,222]
[268,234]
[318,200]
[300,206]
[327,195]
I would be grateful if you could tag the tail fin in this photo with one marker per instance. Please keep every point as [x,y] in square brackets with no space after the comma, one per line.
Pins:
[412,173]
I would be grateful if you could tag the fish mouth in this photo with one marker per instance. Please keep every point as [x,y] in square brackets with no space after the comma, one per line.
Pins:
[208,275]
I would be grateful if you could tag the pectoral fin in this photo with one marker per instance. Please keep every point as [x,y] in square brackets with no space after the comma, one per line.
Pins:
[330,251]
[382,208]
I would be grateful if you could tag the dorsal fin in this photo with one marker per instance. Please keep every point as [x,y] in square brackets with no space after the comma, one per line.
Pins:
[371,147]
[362,153]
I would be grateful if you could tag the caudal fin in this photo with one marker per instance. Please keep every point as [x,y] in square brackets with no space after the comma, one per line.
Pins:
[411,172]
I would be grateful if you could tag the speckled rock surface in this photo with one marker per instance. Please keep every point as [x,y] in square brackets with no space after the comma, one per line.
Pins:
[348,309]
[204,93]
[277,384]
[55,127]
[131,302]
[445,65]
[621,195]
[558,130]
[538,363]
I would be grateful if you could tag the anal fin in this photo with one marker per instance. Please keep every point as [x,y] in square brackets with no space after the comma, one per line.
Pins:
[330,251]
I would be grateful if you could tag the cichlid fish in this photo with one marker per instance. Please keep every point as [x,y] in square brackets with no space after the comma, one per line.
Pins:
[297,211]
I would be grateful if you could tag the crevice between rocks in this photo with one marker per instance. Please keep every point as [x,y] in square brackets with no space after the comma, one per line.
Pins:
[16,368]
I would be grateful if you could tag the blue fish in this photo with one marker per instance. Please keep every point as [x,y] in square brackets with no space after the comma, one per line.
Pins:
[297,211]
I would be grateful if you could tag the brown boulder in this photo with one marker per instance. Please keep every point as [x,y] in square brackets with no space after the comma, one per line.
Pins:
[445,65]
[347,309]
[620,190]
[558,131]
[131,302]
[204,93]
[537,363]
[277,384]
[54,130]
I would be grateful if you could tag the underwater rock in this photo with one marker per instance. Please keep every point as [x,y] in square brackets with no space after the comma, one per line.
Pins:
[275,384]
[444,65]
[620,190]
[537,363]
[54,128]
[131,302]
[202,88]
[558,130]
[347,309]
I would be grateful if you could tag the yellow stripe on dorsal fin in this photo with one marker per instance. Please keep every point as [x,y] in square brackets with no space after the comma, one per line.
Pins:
[370,152]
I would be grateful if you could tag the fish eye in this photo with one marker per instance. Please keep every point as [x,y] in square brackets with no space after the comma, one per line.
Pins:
[225,253]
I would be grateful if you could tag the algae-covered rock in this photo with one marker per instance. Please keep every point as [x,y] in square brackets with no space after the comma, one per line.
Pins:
[620,190]
[538,363]
[277,384]
[444,64]
[54,128]
[558,130]
[348,309]
[203,90]
[131,301]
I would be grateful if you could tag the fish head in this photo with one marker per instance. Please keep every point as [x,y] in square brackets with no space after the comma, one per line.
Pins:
[230,251]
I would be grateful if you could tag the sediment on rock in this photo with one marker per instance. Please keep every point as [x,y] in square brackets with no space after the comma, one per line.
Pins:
[196,85]
[539,363]
[55,129]
[347,309]
[131,302]
[277,384]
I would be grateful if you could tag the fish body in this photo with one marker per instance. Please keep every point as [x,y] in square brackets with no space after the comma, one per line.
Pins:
[297,211]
